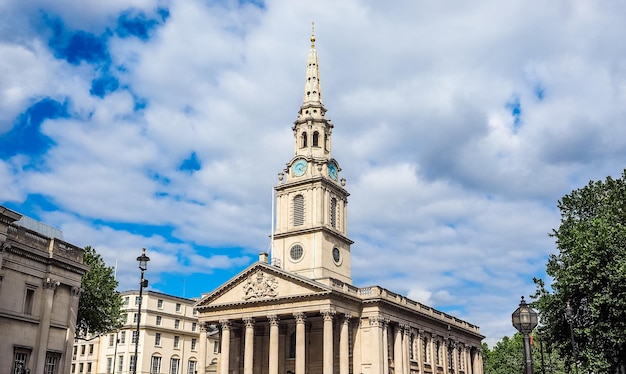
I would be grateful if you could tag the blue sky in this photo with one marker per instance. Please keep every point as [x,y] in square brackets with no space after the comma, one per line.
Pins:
[458,127]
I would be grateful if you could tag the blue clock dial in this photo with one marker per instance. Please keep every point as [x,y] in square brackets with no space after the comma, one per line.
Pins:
[332,170]
[299,168]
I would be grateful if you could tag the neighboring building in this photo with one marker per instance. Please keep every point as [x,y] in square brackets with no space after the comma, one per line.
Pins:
[169,340]
[300,313]
[40,278]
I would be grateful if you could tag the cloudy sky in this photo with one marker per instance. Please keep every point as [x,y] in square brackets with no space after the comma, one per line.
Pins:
[458,125]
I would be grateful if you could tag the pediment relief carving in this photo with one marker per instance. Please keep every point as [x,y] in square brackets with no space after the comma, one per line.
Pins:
[260,285]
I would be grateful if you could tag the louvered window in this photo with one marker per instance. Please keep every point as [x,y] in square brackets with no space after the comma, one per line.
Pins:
[304,137]
[316,136]
[333,212]
[298,210]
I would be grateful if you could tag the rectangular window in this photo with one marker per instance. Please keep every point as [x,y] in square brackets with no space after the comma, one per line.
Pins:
[216,347]
[194,326]
[73,368]
[81,366]
[123,337]
[52,362]
[75,351]
[195,313]
[126,301]
[158,320]
[157,339]
[178,307]
[134,338]
[120,363]
[193,344]
[133,361]
[137,298]
[191,367]
[109,365]
[20,358]
[176,323]
[160,303]
[155,365]
[29,299]
[89,367]
[90,349]
[174,365]
[82,350]
[111,340]
[176,341]
[135,317]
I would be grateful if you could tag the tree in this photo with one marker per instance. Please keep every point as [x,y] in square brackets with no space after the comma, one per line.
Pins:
[99,309]
[507,356]
[589,274]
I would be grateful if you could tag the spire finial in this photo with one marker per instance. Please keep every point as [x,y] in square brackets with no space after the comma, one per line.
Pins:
[313,34]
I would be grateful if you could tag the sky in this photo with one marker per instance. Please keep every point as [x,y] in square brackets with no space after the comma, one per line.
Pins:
[458,126]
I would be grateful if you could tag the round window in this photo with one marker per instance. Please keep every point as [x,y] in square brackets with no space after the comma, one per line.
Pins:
[336,255]
[296,252]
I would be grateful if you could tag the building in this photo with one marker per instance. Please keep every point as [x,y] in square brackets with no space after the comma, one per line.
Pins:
[169,340]
[299,313]
[40,278]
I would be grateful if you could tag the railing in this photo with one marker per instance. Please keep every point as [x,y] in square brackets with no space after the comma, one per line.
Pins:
[45,244]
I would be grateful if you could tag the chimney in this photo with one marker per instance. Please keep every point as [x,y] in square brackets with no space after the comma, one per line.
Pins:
[264,257]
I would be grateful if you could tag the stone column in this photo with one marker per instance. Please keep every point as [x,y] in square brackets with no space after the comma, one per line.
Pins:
[397,351]
[202,348]
[420,350]
[71,327]
[406,339]
[328,341]
[385,346]
[248,355]
[273,359]
[300,343]
[376,324]
[433,352]
[225,348]
[49,285]
[344,353]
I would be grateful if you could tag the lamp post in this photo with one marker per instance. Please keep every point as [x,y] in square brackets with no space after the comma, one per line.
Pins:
[569,316]
[525,320]
[143,266]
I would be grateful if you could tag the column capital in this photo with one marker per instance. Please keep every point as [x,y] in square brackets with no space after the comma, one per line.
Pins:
[405,327]
[273,319]
[346,318]
[328,314]
[225,324]
[300,317]
[76,291]
[50,283]
[248,321]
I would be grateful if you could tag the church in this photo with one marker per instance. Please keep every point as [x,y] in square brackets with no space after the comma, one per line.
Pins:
[298,311]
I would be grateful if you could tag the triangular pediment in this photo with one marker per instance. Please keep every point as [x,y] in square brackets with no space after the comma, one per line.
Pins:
[261,283]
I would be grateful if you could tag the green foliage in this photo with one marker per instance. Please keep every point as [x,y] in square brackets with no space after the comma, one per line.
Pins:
[589,272]
[99,309]
[507,356]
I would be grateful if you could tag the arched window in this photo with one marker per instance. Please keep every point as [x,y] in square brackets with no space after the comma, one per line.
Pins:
[303,139]
[333,212]
[316,137]
[298,210]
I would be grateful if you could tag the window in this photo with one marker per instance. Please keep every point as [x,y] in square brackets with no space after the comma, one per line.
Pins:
[73,368]
[20,358]
[174,364]
[123,337]
[137,299]
[296,252]
[216,347]
[316,137]
[82,350]
[81,366]
[134,338]
[75,351]
[176,341]
[193,344]
[160,303]
[194,326]
[298,210]
[158,320]
[303,138]
[178,307]
[133,362]
[90,349]
[126,301]
[120,363]
[195,313]
[28,300]
[155,365]
[51,363]
[111,340]
[176,323]
[191,367]
[135,316]
[157,339]
[333,212]
[89,367]
[109,365]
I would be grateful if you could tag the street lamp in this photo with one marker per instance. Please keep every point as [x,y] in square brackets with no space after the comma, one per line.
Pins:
[143,266]
[525,320]
[569,316]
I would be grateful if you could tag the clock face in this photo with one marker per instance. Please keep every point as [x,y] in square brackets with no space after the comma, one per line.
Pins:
[332,170]
[299,168]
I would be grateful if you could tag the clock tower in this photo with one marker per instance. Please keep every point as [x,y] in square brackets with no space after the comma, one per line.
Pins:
[311,203]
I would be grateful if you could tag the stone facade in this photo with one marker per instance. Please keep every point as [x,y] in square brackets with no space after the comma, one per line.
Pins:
[298,312]
[40,278]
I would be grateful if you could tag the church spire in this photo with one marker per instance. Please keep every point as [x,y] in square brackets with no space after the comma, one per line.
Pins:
[312,87]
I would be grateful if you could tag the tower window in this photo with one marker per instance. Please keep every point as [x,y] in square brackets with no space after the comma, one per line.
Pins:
[296,252]
[316,136]
[333,212]
[303,139]
[298,210]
